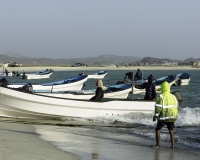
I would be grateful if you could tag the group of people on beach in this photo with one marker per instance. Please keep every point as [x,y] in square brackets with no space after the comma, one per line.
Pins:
[166,105]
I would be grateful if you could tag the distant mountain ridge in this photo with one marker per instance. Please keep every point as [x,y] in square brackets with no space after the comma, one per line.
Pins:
[93,61]
[105,59]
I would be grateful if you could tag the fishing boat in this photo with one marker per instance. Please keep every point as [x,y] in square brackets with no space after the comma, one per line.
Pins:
[183,78]
[74,83]
[19,104]
[3,74]
[171,79]
[38,75]
[98,75]
[120,91]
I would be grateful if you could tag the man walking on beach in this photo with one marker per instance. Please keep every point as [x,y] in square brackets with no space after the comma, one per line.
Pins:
[166,112]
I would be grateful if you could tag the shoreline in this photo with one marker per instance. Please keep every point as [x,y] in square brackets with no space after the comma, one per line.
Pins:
[56,68]
[20,141]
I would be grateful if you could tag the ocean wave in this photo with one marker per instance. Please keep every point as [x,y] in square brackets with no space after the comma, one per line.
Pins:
[188,116]
[131,118]
[188,143]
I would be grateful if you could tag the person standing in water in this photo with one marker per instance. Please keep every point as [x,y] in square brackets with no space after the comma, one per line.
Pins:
[150,90]
[166,113]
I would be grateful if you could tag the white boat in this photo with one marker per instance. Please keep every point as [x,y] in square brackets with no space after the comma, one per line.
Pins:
[38,75]
[171,79]
[184,78]
[98,75]
[3,74]
[120,91]
[74,83]
[19,104]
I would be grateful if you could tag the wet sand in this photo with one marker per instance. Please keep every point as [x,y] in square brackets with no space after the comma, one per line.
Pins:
[20,139]
[21,142]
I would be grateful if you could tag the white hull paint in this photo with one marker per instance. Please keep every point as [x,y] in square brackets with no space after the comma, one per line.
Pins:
[184,82]
[61,87]
[24,105]
[96,76]
[4,74]
[36,76]
[86,95]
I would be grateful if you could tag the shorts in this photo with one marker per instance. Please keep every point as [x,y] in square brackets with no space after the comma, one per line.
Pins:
[170,125]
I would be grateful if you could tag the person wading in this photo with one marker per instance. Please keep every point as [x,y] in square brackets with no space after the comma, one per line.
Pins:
[150,90]
[166,112]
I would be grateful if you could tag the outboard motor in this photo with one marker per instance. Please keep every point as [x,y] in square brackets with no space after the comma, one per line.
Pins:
[28,88]
[178,81]
[128,75]
[179,98]
[13,73]
[24,75]
[81,74]
[17,74]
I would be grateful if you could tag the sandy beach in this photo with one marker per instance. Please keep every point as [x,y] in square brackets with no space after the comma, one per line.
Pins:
[20,141]
[132,68]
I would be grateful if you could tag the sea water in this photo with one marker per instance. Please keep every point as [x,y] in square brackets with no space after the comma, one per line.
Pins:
[114,137]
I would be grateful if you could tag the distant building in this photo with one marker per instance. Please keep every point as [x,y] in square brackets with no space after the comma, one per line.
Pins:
[186,63]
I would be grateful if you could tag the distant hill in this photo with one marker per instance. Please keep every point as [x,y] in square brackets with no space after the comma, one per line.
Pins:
[151,60]
[191,59]
[102,59]
[90,61]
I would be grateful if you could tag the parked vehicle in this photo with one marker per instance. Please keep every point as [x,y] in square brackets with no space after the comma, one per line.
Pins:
[79,65]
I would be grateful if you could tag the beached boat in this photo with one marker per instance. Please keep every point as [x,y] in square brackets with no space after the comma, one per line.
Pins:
[171,79]
[74,83]
[38,75]
[184,78]
[98,75]
[18,104]
[120,91]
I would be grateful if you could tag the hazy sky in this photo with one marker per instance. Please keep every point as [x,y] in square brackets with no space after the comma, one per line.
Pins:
[89,28]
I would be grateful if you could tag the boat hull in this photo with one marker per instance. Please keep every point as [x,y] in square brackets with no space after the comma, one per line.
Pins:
[81,94]
[96,76]
[24,105]
[184,82]
[36,76]
[61,87]
[4,74]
